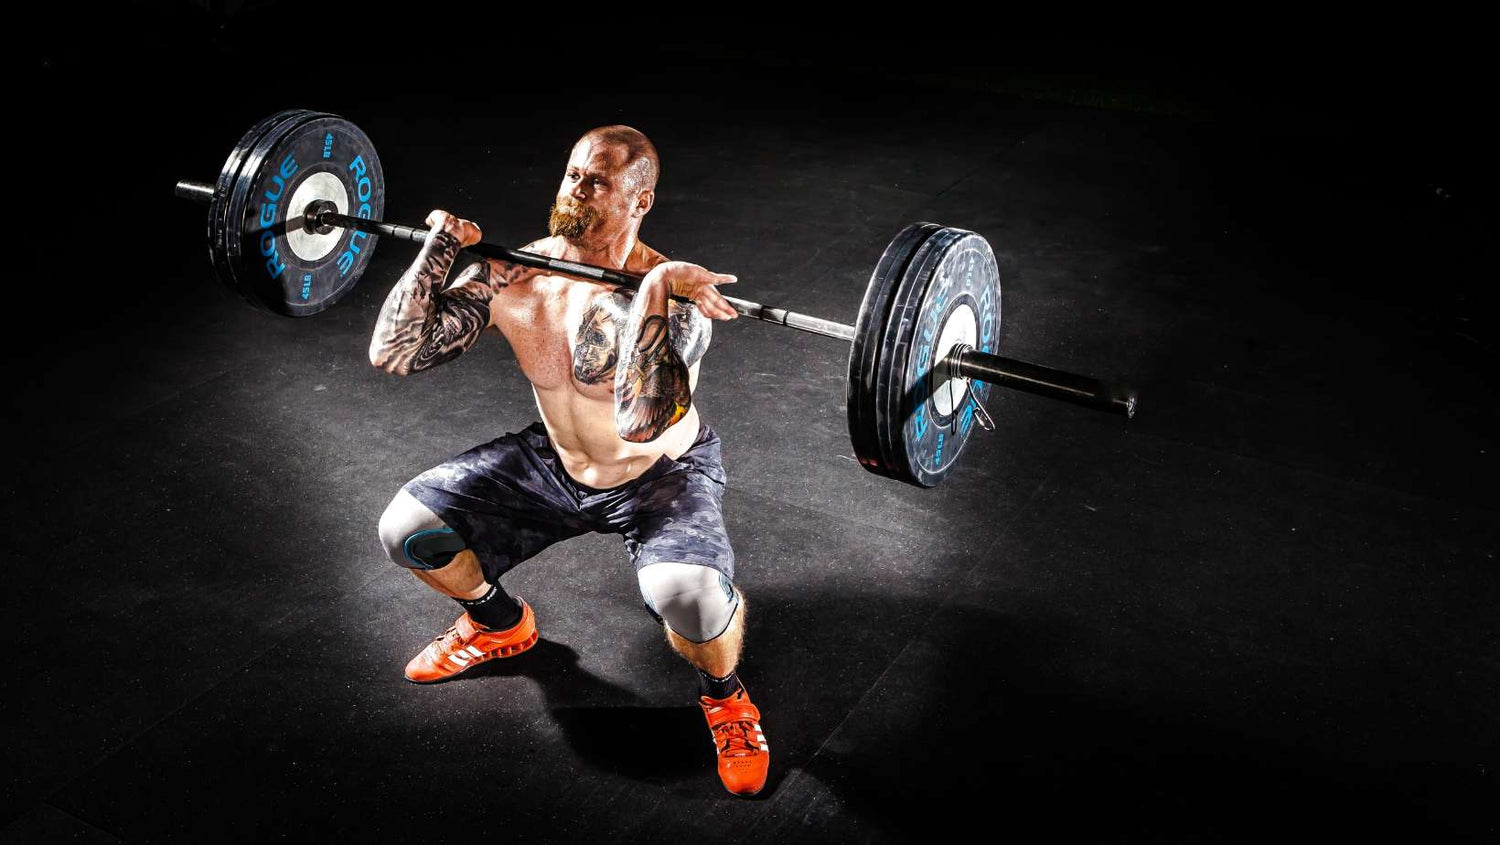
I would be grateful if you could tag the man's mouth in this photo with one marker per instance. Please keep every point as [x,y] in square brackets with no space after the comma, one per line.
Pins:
[570,218]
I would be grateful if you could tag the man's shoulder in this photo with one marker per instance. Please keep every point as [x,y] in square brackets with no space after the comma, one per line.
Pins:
[510,274]
[547,246]
[649,257]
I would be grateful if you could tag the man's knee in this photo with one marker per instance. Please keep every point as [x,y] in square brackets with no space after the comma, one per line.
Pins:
[697,602]
[414,537]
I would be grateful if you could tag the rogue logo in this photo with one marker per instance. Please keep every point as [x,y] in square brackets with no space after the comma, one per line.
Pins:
[363,190]
[274,265]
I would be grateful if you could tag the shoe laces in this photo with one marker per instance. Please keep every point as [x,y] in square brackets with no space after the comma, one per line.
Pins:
[447,640]
[738,739]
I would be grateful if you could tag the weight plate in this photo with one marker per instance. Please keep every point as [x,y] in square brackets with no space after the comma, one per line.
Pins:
[869,326]
[890,366]
[218,242]
[275,262]
[961,304]
[243,277]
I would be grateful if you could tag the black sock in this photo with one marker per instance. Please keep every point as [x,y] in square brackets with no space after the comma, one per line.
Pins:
[495,610]
[717,687]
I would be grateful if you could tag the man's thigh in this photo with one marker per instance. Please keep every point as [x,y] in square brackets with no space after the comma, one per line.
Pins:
[501,498]
[678,518]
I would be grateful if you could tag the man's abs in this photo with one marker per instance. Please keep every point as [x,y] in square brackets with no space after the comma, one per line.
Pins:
[582,430]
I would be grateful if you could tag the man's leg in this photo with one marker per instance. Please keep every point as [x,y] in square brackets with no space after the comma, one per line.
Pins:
[718,656]
[461,579]
[704,615]
[415,538]
[458,580]
[494,623]
[674,530]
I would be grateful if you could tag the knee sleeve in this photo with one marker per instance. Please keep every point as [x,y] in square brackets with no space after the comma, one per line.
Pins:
[414,537]
[697,601]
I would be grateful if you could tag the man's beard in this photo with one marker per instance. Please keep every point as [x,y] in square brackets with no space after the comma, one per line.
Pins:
[570,219]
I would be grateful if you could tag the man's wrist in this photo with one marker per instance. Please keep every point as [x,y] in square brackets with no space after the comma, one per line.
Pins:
[655,276]
[656,283]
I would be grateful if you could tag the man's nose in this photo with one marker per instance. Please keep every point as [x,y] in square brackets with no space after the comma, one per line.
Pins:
[578,192]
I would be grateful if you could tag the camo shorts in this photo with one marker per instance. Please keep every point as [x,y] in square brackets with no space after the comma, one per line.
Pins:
[510,498]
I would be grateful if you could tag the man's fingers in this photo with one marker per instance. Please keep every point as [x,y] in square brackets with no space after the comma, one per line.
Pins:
[722,310]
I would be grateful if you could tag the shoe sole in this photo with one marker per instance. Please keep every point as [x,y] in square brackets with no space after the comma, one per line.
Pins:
[504,651]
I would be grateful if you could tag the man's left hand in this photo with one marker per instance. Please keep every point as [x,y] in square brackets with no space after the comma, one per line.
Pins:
[696,283]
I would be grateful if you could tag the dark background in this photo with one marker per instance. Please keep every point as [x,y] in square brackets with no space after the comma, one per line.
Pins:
[1264,608]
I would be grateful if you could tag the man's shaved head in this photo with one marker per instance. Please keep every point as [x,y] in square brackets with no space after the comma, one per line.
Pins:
[641,164]
[607,187]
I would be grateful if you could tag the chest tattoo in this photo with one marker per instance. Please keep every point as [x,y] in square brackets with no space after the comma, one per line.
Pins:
[596,345]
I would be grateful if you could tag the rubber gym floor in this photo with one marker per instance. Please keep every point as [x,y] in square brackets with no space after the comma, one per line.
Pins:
[1265,609]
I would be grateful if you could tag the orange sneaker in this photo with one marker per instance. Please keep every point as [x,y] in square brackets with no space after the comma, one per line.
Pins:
[744,757]
[467,644]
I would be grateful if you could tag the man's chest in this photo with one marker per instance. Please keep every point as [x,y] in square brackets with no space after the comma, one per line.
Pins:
[565,331]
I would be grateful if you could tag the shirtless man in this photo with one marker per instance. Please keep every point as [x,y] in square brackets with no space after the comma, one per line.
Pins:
[619,448]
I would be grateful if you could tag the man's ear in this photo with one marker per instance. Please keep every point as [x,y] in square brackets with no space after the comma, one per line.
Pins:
[643,202]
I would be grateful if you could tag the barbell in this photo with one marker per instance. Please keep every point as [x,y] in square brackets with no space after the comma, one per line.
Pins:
[295,213]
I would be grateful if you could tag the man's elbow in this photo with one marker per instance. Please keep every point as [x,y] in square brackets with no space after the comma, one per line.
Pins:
[633,429]
[638,435]
[383,360]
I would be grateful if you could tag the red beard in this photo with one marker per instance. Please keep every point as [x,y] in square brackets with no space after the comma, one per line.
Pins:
[570,218]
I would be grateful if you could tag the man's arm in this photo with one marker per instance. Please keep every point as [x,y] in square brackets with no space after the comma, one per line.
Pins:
[652,381]
[422,325]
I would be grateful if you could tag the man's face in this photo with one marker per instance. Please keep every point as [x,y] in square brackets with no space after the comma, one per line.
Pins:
[597,198]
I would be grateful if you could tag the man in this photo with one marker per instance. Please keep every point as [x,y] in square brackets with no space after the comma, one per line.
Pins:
[619,448]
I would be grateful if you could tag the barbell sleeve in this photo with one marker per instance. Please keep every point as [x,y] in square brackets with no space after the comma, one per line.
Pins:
[968,362]
[196,191]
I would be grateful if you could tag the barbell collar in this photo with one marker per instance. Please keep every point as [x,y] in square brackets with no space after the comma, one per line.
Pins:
[1110,397]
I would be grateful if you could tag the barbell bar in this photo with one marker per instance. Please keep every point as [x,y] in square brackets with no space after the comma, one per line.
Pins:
[921,356]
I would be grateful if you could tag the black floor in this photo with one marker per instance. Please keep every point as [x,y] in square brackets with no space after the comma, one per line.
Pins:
[1264,609]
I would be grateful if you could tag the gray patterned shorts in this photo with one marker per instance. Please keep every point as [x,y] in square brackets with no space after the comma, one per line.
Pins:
[510,498]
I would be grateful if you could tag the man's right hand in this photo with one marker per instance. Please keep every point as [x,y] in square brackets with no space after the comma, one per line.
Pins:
[463,231]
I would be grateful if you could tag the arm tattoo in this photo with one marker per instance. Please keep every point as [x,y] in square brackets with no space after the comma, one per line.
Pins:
[651,382]
[421,325]
[691,332]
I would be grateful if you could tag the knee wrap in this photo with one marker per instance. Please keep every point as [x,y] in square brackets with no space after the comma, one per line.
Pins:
[414,537]
[698,602]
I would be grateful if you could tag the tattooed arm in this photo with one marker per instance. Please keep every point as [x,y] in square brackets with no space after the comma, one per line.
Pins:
[652,382]
[422,325]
